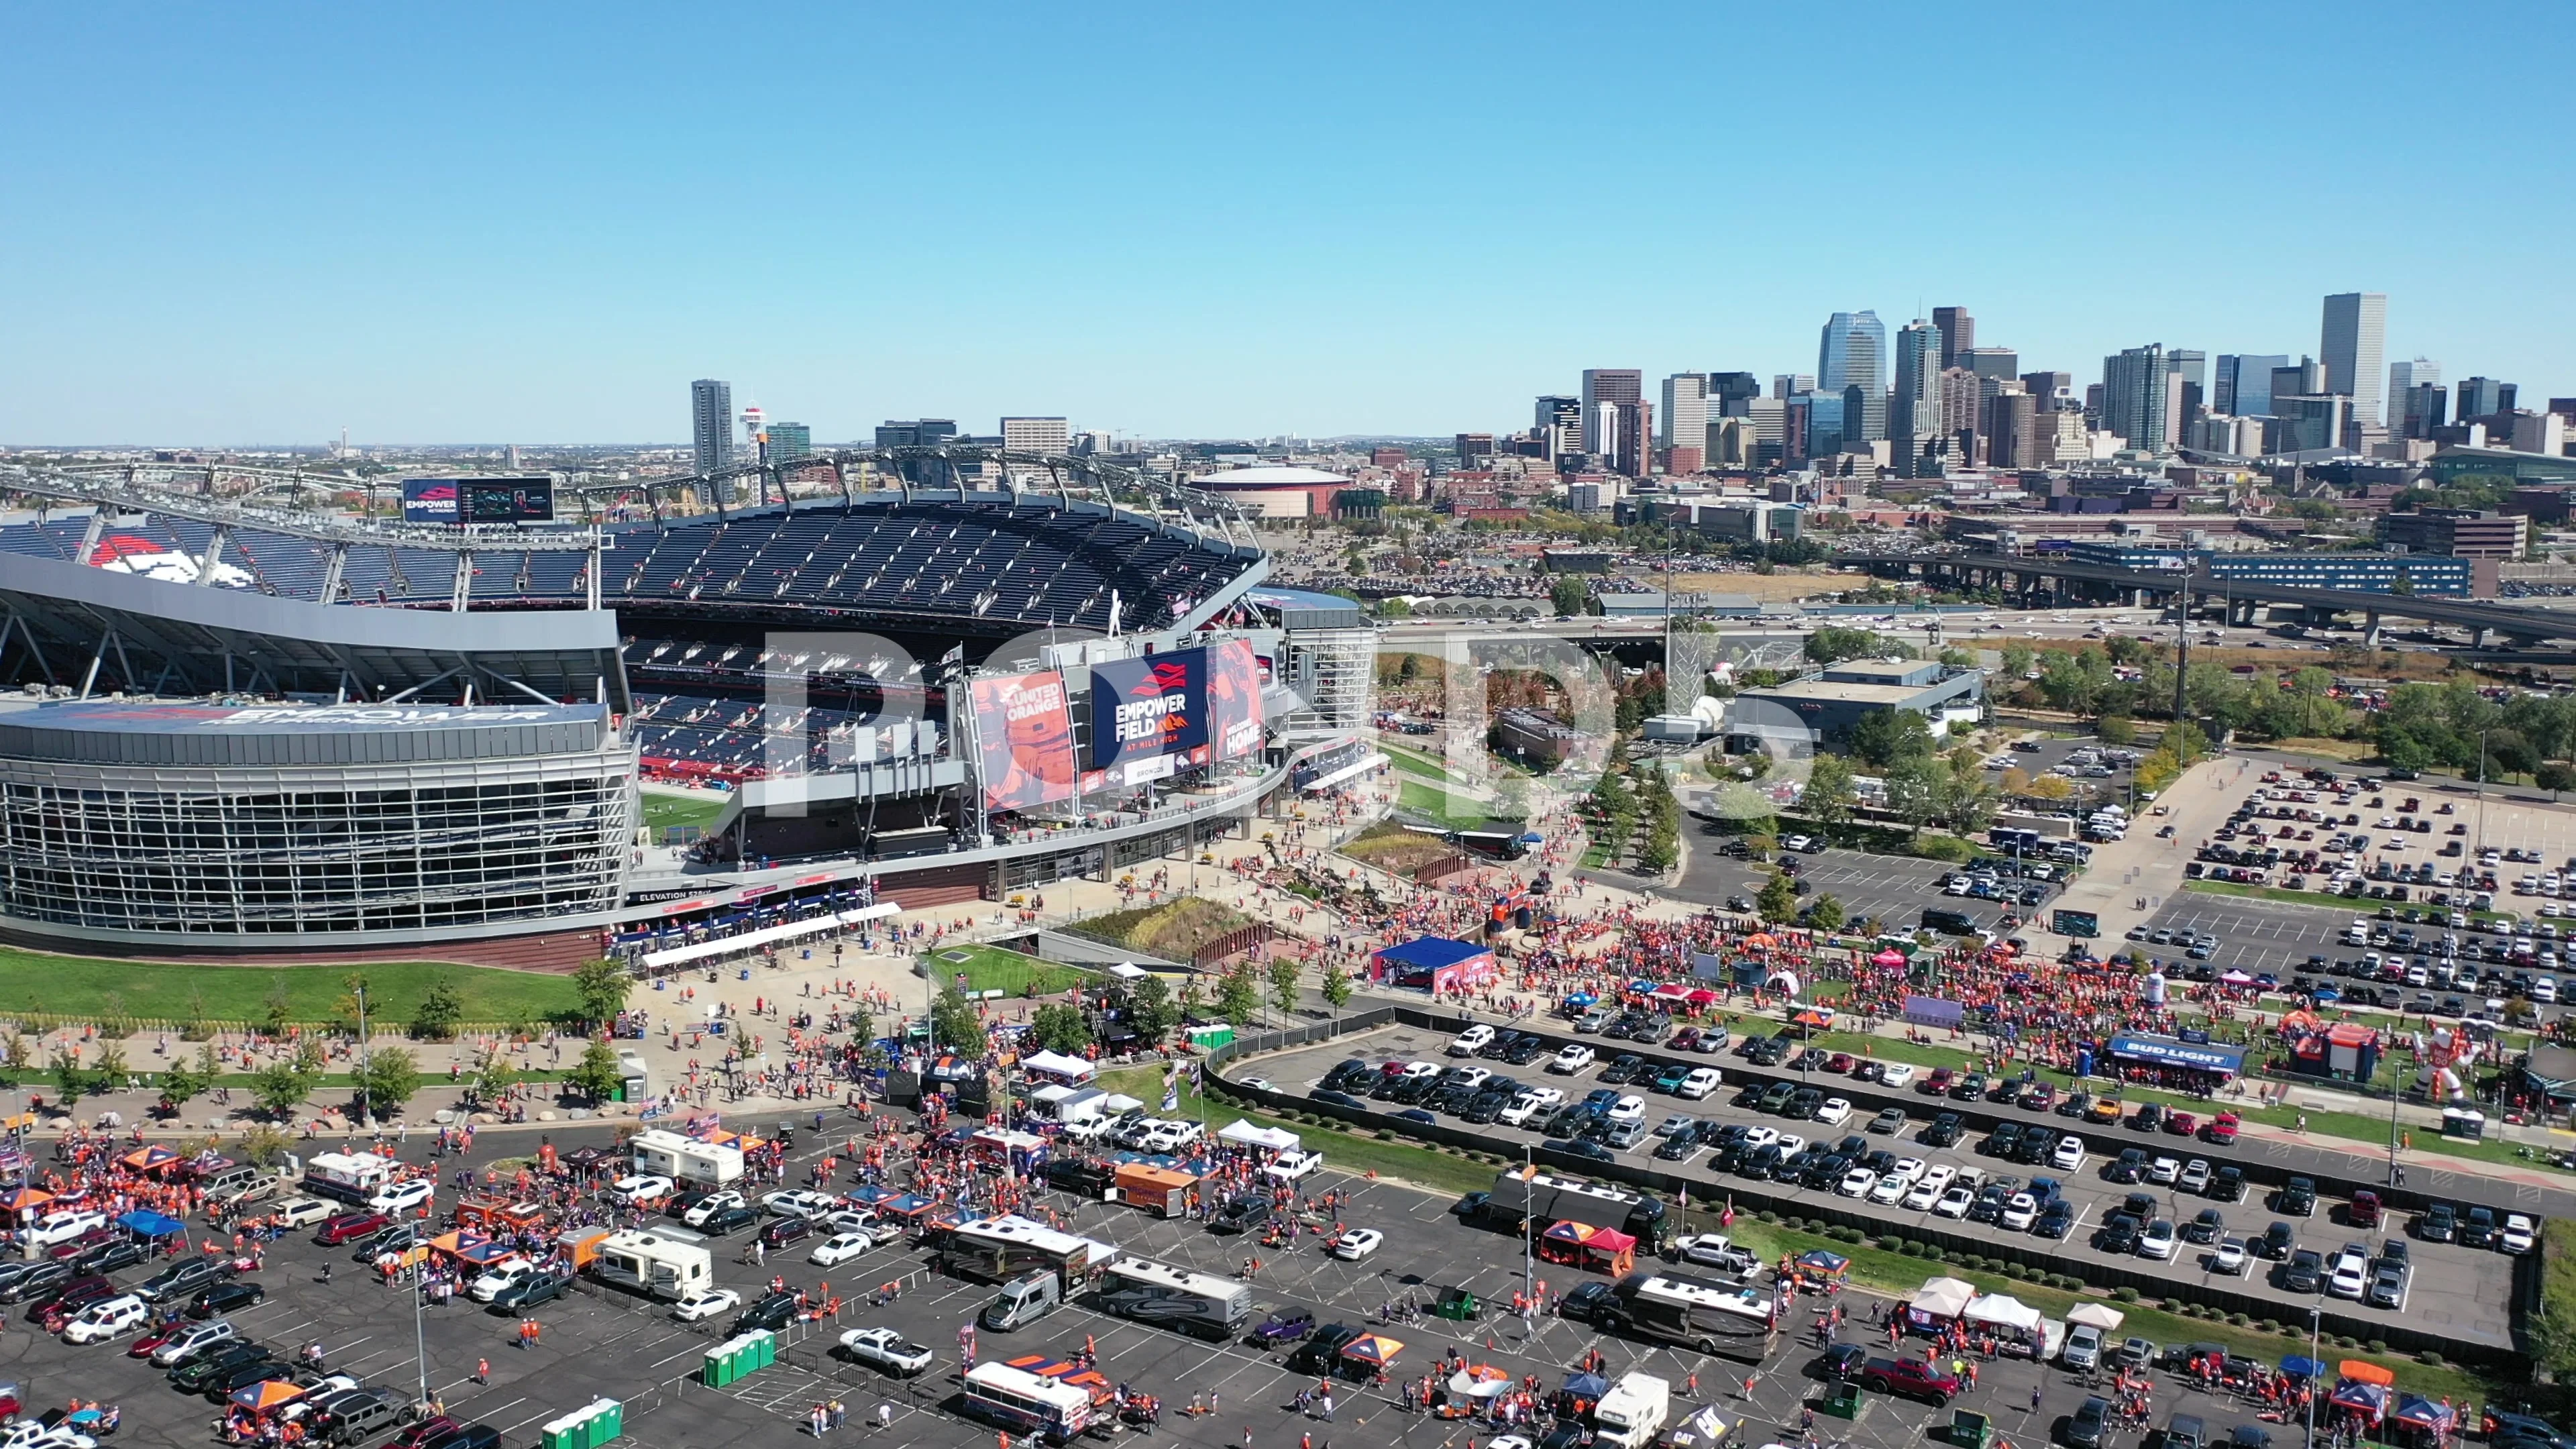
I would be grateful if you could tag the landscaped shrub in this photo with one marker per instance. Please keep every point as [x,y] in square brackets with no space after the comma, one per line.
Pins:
[1910,1248]
[2377,1345]
[2429,1359]
[1932,1253]
[2125,1294]
[2237,1320]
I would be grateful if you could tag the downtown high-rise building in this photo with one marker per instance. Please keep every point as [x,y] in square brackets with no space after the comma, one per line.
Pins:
[2474,399]
[2142,394]
[1851,361]
[1685,421]
[1619,385]
[1630,432]
[2009,430]
[1994,362]
[1557,423]
[1036,435]
[1731,393]
[1914,409]
[1958,334]
[789,442]
[711,423]
[2241,386]
[2408,384]
[1786,385]
[2351,344]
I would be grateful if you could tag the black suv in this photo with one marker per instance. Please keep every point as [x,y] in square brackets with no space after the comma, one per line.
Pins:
[2298,1198]
[1945,1131]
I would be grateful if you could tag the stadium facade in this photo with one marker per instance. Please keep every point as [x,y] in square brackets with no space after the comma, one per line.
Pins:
[241,727]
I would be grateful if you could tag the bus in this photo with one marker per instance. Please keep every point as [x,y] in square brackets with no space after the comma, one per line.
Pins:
[1732,1322]
[1018,1400]
[1199,1303]
[998,1249]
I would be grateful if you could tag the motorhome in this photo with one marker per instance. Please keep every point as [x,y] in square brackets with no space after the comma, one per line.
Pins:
[684,1160]
[1152,1292]
[657,1262]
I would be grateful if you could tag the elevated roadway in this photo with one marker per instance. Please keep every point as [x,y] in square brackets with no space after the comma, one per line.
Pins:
[2021,574]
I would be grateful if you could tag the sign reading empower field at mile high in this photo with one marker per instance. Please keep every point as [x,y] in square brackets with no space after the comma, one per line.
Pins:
[1153,715]
[1023,739]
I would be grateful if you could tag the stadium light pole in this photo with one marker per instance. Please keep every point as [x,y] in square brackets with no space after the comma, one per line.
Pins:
[366,1060]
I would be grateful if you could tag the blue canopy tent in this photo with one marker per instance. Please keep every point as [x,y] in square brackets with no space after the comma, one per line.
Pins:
[144,1224]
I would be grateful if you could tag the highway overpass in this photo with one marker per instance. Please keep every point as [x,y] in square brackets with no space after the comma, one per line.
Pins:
[2073,582]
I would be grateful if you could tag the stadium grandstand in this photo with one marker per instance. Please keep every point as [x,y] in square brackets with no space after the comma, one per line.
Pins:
[480,705]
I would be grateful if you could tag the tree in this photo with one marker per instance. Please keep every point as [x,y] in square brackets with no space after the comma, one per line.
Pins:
[2554,777]
[1150,1010]
[389,1077]
[597,1076]
[279,1089]
[2018,662]
[280,1008]
[262,1145]
[1830,794]
[183,1084]
[1238,995]
[1883,737]
[1918,790]
[601,984]
[71,1081]
[494,1075]
[2116,729]
[441,1009]
[1567,594]
[1283,983]
[955,1023]
[346,1011]
[1778,902]
[1825,913]
[1336,988]
[1060,1027]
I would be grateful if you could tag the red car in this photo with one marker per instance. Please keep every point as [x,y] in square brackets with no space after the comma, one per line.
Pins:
[143,1346]
[1839,1062]
[424,1431]
[1938,1084]
[2181,1124]
[2221,1129]
[348,1226]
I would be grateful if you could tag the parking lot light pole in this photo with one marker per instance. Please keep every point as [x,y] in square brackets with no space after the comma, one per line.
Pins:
[2313,1376]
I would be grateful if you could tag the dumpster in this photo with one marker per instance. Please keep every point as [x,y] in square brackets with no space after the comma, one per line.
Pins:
[1455,1303]
[1969,1430]
[1841,1400]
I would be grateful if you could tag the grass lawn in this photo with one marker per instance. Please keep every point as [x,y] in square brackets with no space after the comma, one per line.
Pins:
[1414,762]
[990,968]
[1432,800]
[87,989]
[1873,1268]
[661,810]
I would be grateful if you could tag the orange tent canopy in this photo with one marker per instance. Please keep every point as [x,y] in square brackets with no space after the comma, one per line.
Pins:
[267,1394]
[2367,1372]
[21,1199]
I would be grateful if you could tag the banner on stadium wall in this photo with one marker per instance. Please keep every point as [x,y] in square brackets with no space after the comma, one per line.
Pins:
[1023,739]
[1146,708]
[1233,700]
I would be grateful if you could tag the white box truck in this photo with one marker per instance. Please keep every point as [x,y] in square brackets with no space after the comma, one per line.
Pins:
[684,1160]
[1632,1413]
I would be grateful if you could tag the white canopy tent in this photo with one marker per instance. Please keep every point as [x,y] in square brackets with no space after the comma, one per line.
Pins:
[2005,1311]
[1270,1139]
[2100,1315]
[1943,1297]
[1072,1070]
[1129,971]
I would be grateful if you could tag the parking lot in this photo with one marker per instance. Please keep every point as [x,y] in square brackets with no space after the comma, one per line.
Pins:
[1894,889]
[2455,1289]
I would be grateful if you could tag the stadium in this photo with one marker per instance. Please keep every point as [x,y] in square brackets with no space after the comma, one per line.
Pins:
[261,714]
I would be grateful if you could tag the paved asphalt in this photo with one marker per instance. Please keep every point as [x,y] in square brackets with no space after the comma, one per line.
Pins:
[2460,1290]
[1894,889]
[600,1342]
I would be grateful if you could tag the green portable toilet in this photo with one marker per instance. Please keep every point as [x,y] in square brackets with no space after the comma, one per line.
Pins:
[611,1421]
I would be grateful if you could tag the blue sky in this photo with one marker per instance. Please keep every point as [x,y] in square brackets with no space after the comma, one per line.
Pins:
[262,223]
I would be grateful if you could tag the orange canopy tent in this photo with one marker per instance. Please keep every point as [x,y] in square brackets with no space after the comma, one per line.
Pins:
[266,1395]
[26,1199]
[2366,1372]
[1374,1348]
[152,1158]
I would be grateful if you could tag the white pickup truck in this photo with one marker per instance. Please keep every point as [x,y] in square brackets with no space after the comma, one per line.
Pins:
[1292,1166]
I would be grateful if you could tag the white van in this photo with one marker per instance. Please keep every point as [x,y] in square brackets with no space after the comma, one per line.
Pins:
[1024,1300]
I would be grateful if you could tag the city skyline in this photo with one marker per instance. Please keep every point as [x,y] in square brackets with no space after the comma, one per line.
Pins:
[1242,247]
